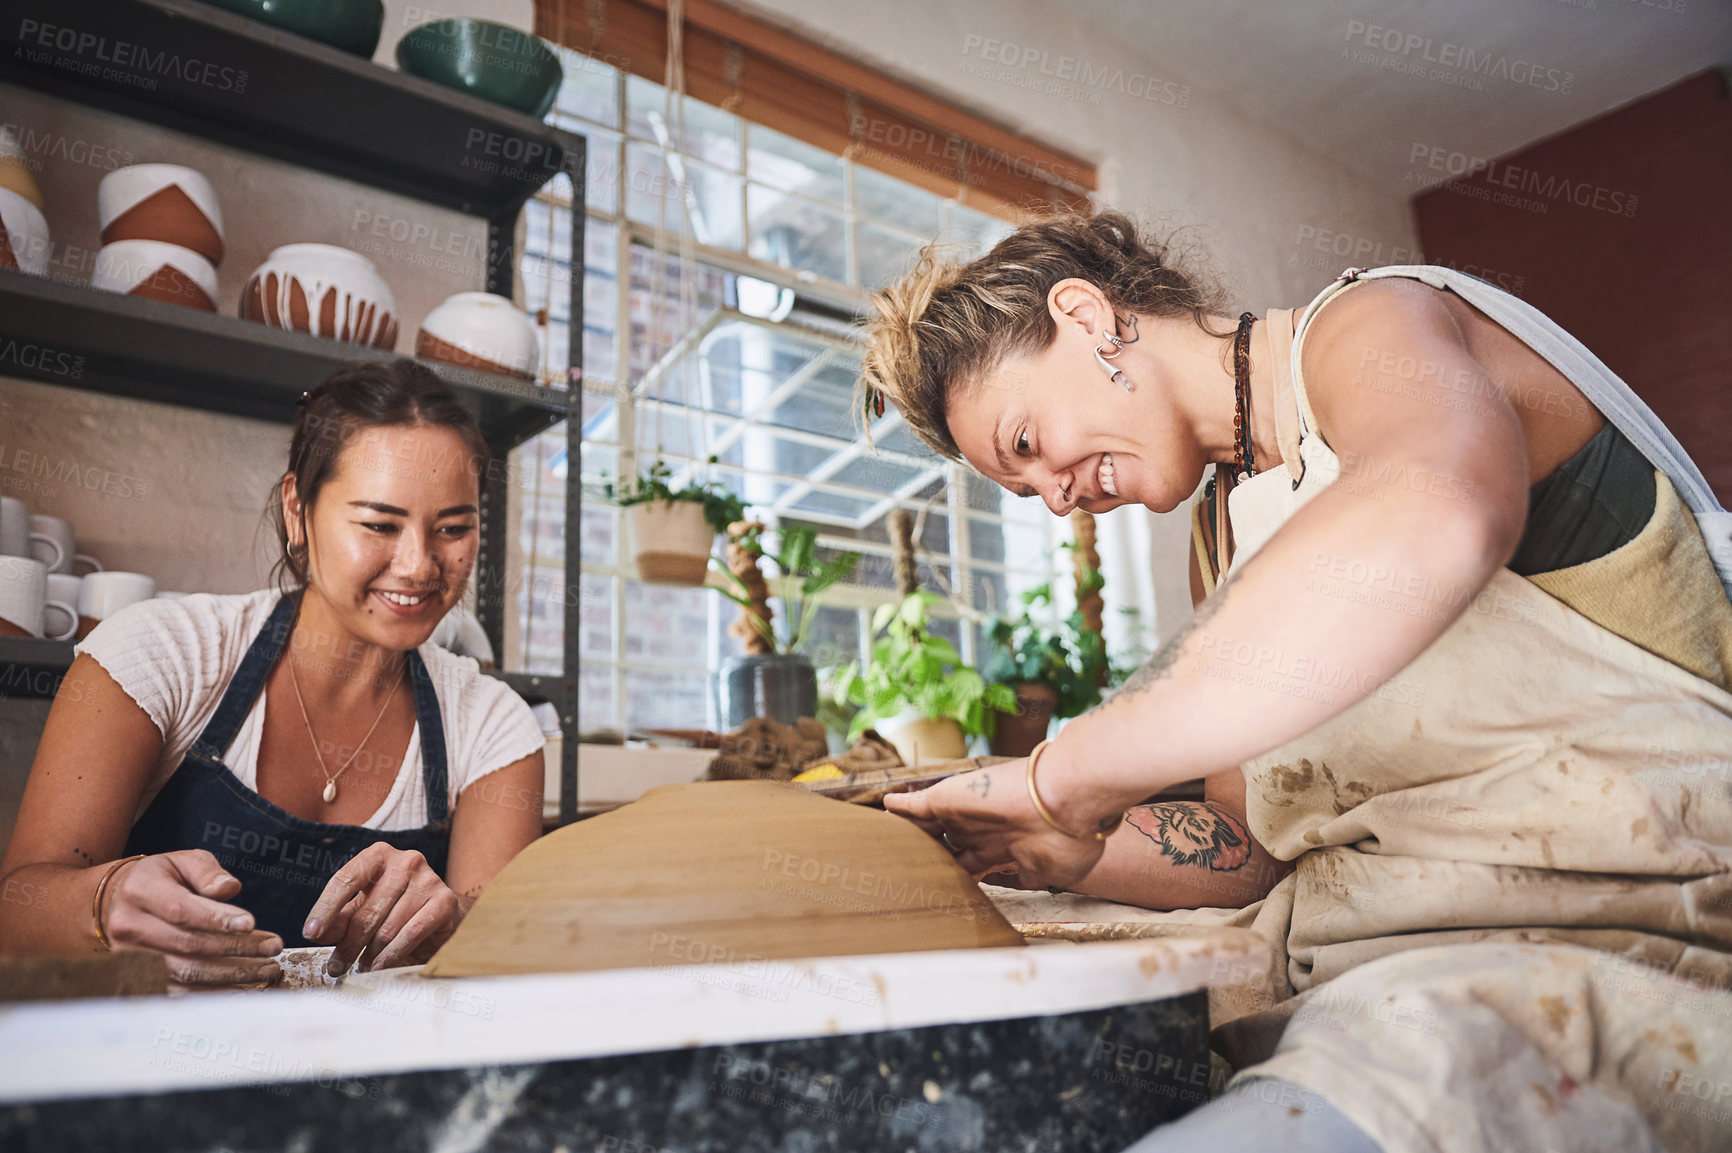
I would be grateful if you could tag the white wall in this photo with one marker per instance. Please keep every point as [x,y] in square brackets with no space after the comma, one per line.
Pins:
[1255,199]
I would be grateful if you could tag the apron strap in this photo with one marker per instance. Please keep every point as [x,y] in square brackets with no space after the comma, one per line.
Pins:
[249,680]
[1608,392]
[433,774]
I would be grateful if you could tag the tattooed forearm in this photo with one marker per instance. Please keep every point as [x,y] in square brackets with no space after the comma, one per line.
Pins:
[1192,833]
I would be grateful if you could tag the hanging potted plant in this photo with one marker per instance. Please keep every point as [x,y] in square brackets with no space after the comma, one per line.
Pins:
[917,692]
[1053,672]
[673,530]
[774,678]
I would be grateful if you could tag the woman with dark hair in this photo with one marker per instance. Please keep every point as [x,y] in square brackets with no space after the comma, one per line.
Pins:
[224,776]
[1461,695]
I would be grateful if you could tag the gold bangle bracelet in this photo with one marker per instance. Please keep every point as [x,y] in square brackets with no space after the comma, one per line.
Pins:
[96,901]
[1108,825]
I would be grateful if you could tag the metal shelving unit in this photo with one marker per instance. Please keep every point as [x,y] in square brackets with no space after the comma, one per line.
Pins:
[272,93]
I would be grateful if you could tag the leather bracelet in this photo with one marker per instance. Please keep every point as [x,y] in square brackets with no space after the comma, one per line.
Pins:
[1108,825]
[96,901]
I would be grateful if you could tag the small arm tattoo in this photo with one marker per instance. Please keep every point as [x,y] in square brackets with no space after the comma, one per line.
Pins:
[980,785]
[1191,833]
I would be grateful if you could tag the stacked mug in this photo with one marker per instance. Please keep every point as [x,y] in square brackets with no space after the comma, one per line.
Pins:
[162,235]
[40,596]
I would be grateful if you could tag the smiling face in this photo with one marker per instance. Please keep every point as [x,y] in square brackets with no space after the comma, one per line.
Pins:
[392,534]
[1052,424]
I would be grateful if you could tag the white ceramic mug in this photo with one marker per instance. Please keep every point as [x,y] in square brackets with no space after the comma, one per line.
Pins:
[60,612]
[102,594]
[14,527]
[51,542]
[23,589]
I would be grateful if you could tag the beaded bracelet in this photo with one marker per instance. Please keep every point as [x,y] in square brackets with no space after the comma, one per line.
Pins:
[1108,825]
[96,901]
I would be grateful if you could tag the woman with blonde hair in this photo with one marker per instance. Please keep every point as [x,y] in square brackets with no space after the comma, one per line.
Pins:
[1460,688]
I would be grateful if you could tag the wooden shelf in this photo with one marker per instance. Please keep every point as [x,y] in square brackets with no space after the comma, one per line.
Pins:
[82,337]
[199,69]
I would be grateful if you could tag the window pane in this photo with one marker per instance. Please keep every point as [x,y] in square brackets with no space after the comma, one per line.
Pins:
[661,303]
[711,134]
[667,700]
[600,532]
[797,233]
[596,707]
[590,90]
[985,539]
[977,230]
[601,170]
[595,634]
[833,637]
[897,202]
[713,197]
[661,622]
[791,165]
[885,255]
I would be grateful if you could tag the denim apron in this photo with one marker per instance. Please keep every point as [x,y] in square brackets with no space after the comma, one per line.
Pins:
[282,861]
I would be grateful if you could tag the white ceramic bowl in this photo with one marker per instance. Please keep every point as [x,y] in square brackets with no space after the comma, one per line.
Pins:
[15,170]
[325,290]
[165,202]
[26,230]
[156,271]
[480,330]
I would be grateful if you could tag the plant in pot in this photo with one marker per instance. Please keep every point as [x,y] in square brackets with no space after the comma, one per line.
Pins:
[1053,672]
[916,691]
[673,530]
[774,678]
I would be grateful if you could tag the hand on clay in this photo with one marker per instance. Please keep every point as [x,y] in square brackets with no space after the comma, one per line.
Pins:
[173,904]
[386,907]
[985,818]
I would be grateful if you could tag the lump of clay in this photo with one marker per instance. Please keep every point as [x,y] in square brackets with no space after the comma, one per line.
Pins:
[723,871]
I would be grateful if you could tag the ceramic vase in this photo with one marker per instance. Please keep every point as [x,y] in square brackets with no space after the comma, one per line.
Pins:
[323,290]
[482,331]
[163,202]
[920,739]
[156,271]
[781,686]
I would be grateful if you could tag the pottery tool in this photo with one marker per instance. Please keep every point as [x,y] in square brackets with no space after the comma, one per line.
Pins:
[734,872]
[870,786]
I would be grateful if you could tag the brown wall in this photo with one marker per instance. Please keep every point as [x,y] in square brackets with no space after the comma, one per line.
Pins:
[1621,230]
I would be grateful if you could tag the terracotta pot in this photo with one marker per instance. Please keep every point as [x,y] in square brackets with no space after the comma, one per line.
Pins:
[163,202]
[1019,733]
[156,271]
[23,234]
[481,331]
[672,542]
[323,290]
[919,739]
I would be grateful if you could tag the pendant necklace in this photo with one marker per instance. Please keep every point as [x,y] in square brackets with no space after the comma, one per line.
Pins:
[330,793]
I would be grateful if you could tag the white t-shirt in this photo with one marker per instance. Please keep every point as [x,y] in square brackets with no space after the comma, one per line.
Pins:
[176,657]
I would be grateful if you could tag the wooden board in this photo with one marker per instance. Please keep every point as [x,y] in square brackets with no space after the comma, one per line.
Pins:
[721,872]
[129,973]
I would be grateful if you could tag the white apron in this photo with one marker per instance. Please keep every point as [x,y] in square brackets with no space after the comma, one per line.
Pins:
[1538,784]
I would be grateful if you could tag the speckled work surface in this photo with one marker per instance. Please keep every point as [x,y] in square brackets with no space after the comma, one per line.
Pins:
[1089,1081]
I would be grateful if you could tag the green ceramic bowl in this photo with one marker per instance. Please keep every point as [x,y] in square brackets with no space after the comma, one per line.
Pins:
[493,61]
[352,25]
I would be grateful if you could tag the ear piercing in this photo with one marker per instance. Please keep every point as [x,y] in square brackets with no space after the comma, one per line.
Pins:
[1102,356]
